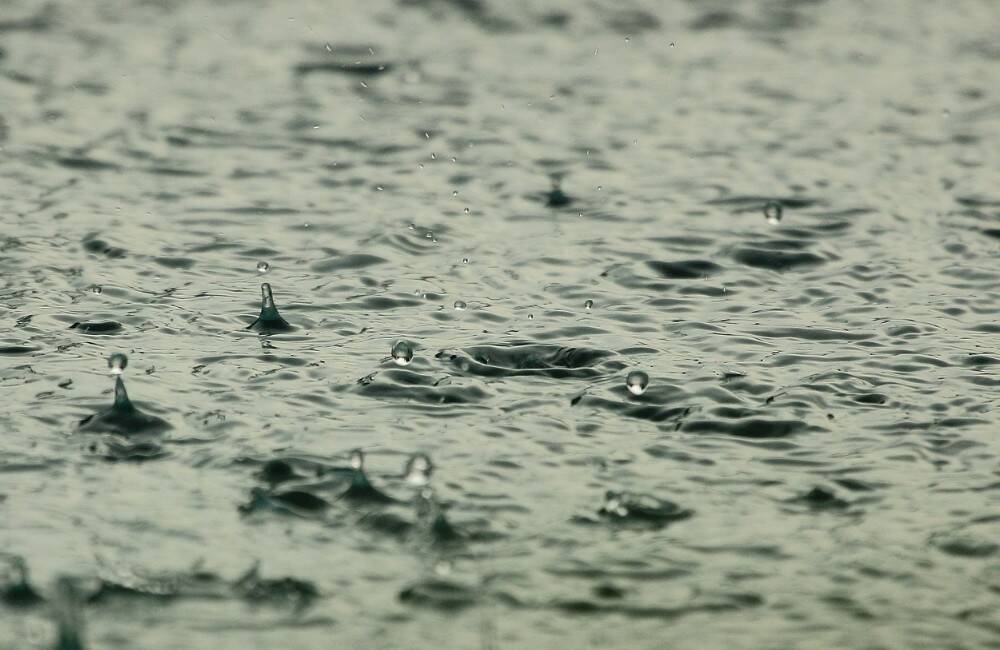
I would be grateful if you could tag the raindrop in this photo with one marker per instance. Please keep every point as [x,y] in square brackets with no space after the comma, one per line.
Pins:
[263,267]
[460,306]
[418,470]
[531,317]
[636,382]
[589,304]
[627,39]
[358,460]
[117,363]
[413,226]
[772,212]
[467,211]
[454,193]
[96,289]
[454,159]
[402,353]
[465,260]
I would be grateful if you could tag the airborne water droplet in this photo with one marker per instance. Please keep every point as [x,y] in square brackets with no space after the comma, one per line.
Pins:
[402,353]
[636,382]
[465,260]
[772,212]
[358,460]
[96,289]
[467,211]
[460,306]
[589,304]
[117,363]
[263,267]
[418,470]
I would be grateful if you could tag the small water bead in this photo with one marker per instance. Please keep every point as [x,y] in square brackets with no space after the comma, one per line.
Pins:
[460,305]
[467,211]
[402,353]
[358,460]
[418,470]
[117,363]
[636,382]
[263,267]
[772,212]
[531,317]
[465,260]
[454,193]
[588,305]
[96,289]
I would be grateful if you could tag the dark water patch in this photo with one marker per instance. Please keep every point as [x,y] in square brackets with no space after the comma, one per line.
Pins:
[820,498]
[775,260]
[174,262]
[17,350]
[527,359]
[284,592]
[627,509]
[436,593]
[87,164]
[754,428]
[101,247]
[980,360]
[432,395]
[965,545]
[651,411]
[345,262]
[97,327]
[358,68]
[476,11]
[812,334]
[688,269]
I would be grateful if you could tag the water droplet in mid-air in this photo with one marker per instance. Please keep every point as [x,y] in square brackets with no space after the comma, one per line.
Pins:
[636,382]
[772,212]
[358,460]
[589,304]
[418,470]
[460,305]
[465,260]
[402,353]
[263,267]
[96,289]
[117,363]
[467,211]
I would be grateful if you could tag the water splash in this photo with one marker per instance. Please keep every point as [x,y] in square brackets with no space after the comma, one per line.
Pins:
[122,417]
[418,470]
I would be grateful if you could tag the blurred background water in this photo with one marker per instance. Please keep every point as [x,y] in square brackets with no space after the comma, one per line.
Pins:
[785,213]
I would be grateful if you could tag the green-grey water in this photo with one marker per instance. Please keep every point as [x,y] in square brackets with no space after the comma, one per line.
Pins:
[785,213]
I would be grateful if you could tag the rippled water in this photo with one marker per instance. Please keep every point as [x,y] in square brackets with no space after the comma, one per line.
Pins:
[785,213]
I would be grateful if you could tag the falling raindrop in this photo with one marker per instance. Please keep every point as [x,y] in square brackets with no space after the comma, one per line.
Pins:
[588,305]
[636,382]
[263,267]
[96,289]
[465,260]
[772,212]
[358,460]
[460,306]
[117,363]
[418,470]
[402,353]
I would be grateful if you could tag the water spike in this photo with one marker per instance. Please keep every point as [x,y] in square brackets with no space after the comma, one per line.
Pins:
[269,320]
[358,460]
[122,402]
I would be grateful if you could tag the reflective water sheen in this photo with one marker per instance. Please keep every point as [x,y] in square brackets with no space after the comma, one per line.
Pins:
[784,212]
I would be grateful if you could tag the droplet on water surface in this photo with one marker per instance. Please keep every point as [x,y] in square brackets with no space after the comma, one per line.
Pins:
[636,382]
[460,306]
[772,212]
[418,470]
[402,353]
[117,363]
[96,289]
[263,267]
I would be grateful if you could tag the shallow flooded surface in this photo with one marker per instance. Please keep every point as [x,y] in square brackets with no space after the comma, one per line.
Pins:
[786,214]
